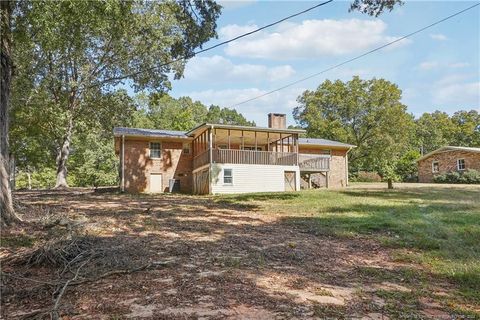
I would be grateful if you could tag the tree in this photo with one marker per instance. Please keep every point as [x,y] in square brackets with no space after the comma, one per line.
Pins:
[366,113]
[467,131]
[7,213]
[226,116]
[374,7]
[83,50]
[434,130]
[165,112]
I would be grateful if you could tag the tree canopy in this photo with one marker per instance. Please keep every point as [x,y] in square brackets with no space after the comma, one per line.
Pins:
[71,57]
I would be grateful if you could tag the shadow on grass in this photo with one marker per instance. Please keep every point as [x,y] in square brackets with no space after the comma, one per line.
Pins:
[229,199]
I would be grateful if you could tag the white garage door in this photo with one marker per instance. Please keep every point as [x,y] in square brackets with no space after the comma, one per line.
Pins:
[156,184]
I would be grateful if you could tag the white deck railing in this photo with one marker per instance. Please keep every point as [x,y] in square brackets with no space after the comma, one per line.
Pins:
[313,162]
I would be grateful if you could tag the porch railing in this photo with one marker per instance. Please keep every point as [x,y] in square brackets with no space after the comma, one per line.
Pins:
[254,157]
[313,162]
[201,159]
[307,162]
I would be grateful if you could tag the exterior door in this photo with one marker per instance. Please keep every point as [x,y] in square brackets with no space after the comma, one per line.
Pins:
[156,183]
[290,181]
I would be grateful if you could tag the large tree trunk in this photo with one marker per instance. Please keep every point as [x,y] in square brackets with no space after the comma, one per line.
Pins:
[62,157]
[7,214]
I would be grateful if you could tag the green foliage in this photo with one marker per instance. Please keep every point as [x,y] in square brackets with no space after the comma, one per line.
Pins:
[166,112]
[72,56]
[438,129]
[469,176]
[216,114]
[374,7]
[365,113]
[406,167]
[93,161]
[43,178]
[365,176]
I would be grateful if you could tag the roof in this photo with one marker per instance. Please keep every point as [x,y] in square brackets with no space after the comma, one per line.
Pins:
[119,131]
[449,148]
[323,142]
[245,128]
[139,132]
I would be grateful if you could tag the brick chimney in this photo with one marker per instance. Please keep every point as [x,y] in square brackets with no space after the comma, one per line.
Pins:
[277,120]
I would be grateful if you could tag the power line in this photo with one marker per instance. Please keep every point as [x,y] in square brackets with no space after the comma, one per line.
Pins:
[357,57]
[223,42]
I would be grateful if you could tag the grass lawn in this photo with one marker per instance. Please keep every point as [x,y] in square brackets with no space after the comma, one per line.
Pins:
[433,225]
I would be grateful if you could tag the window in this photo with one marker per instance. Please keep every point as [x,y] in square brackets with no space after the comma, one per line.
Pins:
[435,166]
[227,176]
[186,148]
[155,149]
[252,148]
[461,164]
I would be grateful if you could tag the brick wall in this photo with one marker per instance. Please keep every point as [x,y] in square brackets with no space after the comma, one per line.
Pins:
[336,176]
[447,162]
[173,164]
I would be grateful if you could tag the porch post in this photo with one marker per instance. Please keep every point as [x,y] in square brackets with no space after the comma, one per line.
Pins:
[210,144]
[243,141]
[229,139]
[268,141]
[255,140]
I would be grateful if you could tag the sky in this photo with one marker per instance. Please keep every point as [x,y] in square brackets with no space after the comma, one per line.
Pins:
[437,69]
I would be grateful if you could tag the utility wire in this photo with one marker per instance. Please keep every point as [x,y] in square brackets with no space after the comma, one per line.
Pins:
[357,57]
[193,54]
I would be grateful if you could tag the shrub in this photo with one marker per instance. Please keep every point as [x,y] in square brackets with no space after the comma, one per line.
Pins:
[366,176]
[469,176]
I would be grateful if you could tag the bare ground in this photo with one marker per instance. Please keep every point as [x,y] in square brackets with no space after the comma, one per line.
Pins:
[201,259]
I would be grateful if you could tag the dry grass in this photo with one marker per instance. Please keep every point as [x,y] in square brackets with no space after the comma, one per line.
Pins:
[251,256]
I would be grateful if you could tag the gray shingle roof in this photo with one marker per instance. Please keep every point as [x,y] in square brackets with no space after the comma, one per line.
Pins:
[449,148]
[118,131]
[323,142]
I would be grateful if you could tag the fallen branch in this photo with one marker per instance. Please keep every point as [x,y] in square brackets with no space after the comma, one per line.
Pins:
[54,312]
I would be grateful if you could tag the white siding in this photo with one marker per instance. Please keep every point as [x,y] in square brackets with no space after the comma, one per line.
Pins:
[252,178]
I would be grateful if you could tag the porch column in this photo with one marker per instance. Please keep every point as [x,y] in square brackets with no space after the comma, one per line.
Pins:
[210,145]
[229,139]
[268,141]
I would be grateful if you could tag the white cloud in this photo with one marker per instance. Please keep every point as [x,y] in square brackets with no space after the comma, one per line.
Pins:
[309,39]
[438,37]
[462,94]
[283,101]
[429,65]
[459,65]
[458,89]
[220,69]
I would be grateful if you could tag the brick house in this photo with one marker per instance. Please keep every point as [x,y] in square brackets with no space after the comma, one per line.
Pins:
[220,158]
[447,159]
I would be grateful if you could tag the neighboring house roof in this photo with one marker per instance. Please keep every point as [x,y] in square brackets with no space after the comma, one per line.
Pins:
[323,142]
[120,131]
[449,148]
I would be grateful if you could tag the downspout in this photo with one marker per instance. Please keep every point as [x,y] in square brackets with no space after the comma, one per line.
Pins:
[346,167]
[123,164]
